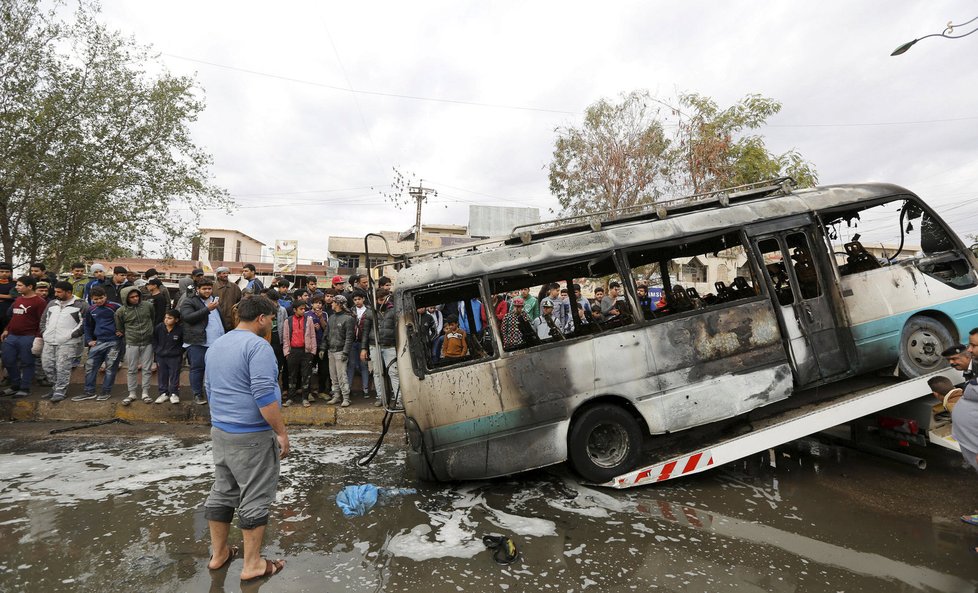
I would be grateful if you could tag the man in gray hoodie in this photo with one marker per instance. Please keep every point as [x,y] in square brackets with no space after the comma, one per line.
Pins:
[134,322]
[62,331]
[338,344]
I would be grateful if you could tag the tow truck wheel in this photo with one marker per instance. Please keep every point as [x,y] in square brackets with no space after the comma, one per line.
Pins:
[605,441]
[921,343]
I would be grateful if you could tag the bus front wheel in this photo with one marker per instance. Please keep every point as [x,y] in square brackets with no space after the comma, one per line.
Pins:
[921,343]
[605,441]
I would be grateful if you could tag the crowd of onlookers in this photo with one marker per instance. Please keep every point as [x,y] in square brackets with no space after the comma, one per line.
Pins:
[322,337]
[453,331]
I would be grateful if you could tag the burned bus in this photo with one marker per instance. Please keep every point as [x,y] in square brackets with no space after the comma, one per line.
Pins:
[809,302]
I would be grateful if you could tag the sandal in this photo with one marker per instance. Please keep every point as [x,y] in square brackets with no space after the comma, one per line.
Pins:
[305,403]
[970,519]
[232,554]
[272,568]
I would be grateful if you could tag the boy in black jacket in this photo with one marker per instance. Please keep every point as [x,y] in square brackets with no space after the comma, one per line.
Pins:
[168,346]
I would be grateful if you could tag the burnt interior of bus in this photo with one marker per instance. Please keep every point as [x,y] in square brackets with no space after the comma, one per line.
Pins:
[677,267]
[461,304]
[899,232]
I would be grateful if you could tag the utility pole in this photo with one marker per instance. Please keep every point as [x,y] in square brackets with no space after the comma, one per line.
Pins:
[420,194]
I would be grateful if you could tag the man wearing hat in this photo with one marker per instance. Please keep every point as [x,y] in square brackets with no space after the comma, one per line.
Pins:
[98,279]
[546,324]
[148,275]
[188,285]
[338,283]
[517,328]
[228,294]
[959,357]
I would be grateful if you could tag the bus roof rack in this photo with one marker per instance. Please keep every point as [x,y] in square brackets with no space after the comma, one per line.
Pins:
[718,198]
[779,186]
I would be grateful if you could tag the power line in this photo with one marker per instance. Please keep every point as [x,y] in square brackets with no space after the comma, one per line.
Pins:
[374,93]
[307,191]
[880,123]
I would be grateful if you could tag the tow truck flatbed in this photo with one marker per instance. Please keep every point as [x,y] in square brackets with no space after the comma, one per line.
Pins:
[780,423]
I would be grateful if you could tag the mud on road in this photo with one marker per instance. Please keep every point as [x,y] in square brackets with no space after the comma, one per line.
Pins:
[116,508]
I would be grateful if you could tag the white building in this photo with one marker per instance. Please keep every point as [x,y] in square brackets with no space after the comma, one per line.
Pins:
[228,245]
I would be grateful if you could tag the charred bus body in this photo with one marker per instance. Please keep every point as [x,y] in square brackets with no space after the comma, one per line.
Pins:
[809,305]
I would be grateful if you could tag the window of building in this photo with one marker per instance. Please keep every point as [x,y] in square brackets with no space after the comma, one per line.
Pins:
[349,261]
[215,249]
[693,271]
[237,251]
[684,275]
[466,333]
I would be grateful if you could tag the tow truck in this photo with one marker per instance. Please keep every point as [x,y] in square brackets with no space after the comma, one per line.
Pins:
[826,407]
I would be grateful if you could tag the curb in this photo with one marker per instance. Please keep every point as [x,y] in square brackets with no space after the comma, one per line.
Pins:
[36,410]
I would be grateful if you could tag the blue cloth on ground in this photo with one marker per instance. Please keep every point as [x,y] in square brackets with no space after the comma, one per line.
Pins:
[357,500]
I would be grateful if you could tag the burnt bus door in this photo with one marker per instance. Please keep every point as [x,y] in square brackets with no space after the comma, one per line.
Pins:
[795,269]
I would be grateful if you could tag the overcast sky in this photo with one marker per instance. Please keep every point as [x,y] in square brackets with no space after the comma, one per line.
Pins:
[311,104]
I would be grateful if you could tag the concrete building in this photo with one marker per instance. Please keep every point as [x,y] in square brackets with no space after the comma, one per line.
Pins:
[496,221]
[228,245]
[351,257]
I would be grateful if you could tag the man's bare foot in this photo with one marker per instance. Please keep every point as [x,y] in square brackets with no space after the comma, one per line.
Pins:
[272,567]
[223,559]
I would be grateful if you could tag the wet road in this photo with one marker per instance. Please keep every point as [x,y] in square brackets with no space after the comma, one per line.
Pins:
[90,513]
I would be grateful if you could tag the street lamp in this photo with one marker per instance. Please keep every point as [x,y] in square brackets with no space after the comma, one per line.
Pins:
[946,34]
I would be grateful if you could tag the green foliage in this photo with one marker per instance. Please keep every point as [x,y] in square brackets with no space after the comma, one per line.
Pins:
[620,155]
[713,149]
[96,156]
[613,161]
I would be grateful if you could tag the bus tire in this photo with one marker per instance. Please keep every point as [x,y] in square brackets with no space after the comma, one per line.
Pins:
[422,469]
[921,342]
[605,441]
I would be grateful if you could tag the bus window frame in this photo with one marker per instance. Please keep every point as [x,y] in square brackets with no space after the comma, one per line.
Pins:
[483,285]
[562,262]
[758,281]
[959,246]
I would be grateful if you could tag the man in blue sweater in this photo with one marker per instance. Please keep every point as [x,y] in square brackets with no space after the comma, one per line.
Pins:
[249,437]
[103,345]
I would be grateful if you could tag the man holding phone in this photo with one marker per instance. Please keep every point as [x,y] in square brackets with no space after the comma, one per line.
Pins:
[202,326]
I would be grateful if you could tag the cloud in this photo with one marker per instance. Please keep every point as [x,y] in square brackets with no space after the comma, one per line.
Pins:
[313,152]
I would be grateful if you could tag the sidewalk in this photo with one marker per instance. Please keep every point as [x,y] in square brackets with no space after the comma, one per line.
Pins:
[361,413]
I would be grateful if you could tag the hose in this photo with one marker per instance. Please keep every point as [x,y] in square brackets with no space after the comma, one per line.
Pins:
[385,424]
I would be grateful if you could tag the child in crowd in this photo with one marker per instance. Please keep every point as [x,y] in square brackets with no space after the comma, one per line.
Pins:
[103,344]
[319,317]
[134,323]
[168,347]
[299,348]
[161,301]
[454,346]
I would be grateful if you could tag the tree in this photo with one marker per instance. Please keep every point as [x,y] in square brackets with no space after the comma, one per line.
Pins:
[621,157]
[615,160]
[95,153]
[710,152]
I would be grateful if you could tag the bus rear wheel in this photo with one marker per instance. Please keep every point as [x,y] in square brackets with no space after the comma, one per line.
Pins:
[921,343]
[605,441]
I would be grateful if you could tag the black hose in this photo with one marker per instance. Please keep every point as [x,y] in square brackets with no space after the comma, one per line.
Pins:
[903,235]
[89,425]
[385,424]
